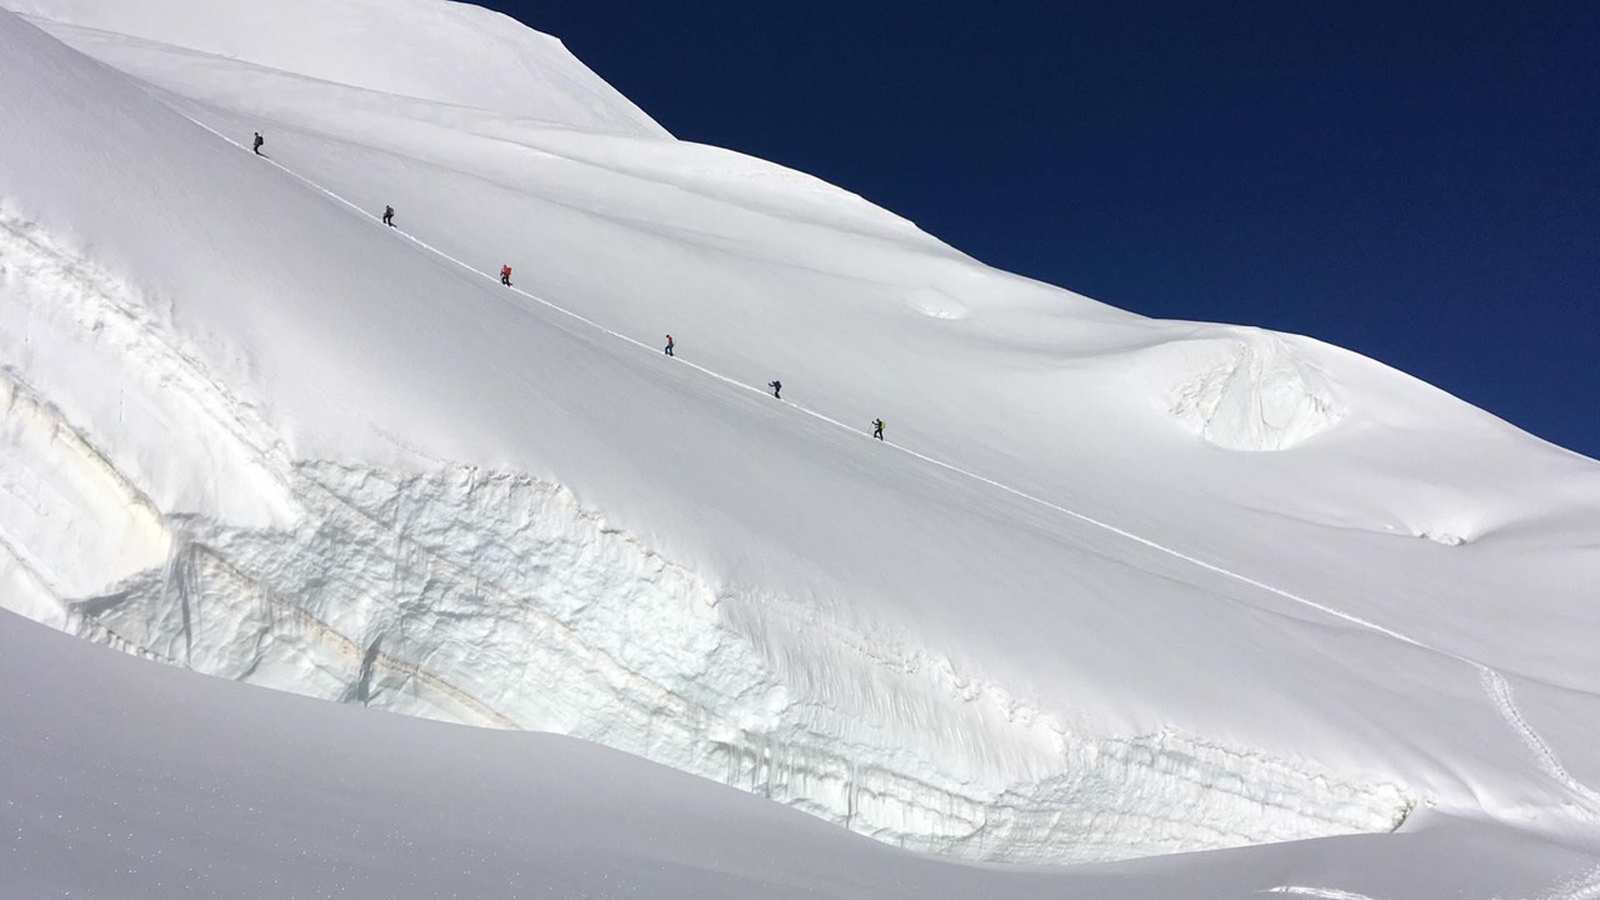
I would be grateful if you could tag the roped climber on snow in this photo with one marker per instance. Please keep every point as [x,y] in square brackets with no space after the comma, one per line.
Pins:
[505,278]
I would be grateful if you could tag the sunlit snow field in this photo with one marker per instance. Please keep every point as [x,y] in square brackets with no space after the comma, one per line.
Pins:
[1112,587]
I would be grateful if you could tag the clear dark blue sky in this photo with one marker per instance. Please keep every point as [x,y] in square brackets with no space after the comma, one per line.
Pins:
[1422,186]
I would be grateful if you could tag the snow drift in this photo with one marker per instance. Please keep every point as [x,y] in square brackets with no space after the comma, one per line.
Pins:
[382,805]
[250,431]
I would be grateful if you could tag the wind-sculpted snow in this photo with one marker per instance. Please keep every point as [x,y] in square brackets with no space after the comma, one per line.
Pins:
[496,599]
[1259,394]
[250,431]
[132,780]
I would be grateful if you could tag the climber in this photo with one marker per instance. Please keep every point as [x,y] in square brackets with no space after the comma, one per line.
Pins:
[669,345]
[259,141]
[505,275]
[777,389]
[877,429]
[388,216]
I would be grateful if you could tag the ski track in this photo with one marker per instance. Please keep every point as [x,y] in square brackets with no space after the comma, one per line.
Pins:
[1495,685]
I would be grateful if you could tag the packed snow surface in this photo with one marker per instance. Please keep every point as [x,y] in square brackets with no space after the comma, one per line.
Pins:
[1112,587]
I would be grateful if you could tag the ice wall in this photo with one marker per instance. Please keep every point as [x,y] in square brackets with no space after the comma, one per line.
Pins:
[495,598]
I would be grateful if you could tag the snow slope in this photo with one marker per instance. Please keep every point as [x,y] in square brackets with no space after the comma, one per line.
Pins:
[1118,587]
[204,797]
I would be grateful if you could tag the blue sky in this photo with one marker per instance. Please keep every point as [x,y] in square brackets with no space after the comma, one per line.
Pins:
[1420,185]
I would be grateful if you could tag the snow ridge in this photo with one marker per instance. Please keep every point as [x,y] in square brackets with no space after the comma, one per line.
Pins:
[1496,687]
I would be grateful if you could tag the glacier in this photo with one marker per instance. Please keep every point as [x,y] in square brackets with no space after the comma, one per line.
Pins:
[1113,588]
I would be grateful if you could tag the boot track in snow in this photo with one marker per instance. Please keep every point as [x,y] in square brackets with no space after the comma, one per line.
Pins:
[1497,689]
